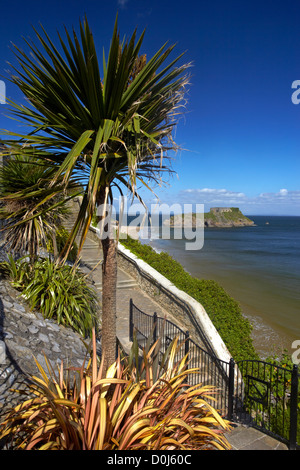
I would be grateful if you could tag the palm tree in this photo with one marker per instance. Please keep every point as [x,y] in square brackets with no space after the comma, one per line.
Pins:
[30,210]
[113,129]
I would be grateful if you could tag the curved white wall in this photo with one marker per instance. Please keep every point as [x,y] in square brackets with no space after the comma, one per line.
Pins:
[195,308]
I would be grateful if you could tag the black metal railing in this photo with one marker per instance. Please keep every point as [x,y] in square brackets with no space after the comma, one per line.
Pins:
[211,370]
[266,397]
[261,394]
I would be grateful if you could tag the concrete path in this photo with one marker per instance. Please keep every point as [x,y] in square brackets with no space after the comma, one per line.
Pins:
[247,438]
[240,437]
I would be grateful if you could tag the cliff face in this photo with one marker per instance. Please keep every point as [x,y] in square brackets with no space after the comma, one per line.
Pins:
[216,217]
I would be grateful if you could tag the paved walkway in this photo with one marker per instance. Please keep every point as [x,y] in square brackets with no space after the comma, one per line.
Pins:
[247,438]
[240,437]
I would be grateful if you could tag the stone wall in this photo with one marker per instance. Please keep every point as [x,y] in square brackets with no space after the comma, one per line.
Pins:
[25,336]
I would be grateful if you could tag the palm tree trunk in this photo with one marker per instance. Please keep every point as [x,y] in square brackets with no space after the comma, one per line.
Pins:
[32,249]
[109,297]
[109,301]
[54,243]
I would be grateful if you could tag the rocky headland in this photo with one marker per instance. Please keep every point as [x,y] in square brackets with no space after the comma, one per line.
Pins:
[218,217]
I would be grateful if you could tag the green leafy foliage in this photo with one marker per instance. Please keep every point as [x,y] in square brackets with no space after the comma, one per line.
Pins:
[31,210]
[62,235]
[58,291]
[223,310]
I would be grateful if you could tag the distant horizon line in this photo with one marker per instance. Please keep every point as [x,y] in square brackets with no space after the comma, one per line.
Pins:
[248,215]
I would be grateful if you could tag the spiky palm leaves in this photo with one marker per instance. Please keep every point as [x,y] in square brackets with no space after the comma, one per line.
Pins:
[112,127]
[31,211]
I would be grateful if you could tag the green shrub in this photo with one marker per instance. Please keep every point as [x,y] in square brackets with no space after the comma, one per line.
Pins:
[58,291]
[62,235]
[224,312]
[31,214]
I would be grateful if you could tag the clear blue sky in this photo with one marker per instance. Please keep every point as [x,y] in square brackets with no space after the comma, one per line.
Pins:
[241,130]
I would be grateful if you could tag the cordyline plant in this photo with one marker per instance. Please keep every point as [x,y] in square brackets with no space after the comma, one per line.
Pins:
[112,127]
[31,211]
[122,409]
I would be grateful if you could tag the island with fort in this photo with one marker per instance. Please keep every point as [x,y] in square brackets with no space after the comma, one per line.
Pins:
[219,217]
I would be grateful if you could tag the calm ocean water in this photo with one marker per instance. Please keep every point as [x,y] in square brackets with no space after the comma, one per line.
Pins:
[259,267]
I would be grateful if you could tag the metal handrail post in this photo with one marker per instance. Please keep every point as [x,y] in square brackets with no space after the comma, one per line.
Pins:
[154,327]
[294,408]
[187,343]
[131,320]
[230,388]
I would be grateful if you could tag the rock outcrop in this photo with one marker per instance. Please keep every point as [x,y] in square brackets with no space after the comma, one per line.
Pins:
[219,217]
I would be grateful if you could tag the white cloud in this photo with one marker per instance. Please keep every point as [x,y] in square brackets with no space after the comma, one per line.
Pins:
[283,191]
[211,195]
[283,202]
[283,196]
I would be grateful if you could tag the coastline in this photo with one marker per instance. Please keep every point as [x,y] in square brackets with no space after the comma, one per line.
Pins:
[253,265]
[267,339]
[217,217]
[268,336]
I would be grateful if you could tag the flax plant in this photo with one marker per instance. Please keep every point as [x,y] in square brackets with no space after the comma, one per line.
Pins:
[111,410]
[111,126]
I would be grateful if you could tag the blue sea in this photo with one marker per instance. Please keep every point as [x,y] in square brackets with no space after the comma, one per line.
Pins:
[258,266]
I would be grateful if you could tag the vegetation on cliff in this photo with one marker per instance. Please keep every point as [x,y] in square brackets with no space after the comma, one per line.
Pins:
[224,312]
[226,217]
